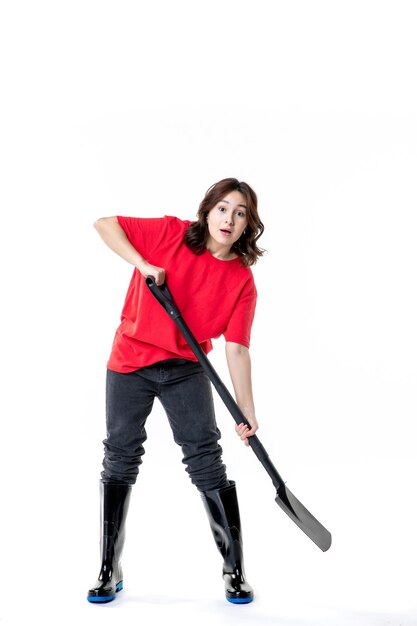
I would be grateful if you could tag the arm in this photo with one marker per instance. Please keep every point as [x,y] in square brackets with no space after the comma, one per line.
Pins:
[116,239]
[239,364]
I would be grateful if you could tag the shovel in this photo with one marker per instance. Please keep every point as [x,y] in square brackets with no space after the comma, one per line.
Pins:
[284,498]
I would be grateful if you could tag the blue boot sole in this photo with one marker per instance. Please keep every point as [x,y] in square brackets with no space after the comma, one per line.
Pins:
[239,600]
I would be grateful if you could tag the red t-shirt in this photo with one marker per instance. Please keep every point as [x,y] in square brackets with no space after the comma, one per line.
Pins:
[214,297]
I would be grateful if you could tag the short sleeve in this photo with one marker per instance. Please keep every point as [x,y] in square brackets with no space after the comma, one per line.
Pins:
[145,233]
[240,323]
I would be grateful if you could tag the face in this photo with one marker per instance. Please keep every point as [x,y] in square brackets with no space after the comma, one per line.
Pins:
[226,222]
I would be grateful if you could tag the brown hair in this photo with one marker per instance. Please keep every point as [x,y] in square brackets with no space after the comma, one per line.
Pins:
[246,247]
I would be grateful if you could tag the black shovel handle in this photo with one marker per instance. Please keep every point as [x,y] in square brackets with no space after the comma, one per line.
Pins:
[164,297]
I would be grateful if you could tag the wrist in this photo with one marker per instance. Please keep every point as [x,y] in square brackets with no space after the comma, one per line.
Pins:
[141,265]
[247,409]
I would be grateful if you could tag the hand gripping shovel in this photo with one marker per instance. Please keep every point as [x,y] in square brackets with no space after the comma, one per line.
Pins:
[284,498]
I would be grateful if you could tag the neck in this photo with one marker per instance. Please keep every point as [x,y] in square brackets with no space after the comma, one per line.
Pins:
[223,253]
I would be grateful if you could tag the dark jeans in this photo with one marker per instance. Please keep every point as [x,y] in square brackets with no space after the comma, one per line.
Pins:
[184,391]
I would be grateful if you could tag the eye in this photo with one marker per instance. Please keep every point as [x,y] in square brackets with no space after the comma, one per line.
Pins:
[222,208]
[240,214]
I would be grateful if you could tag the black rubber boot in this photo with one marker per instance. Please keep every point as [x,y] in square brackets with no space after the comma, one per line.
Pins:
[115,499]
[223,513]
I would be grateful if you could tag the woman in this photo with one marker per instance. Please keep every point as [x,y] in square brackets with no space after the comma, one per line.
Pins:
[207,267]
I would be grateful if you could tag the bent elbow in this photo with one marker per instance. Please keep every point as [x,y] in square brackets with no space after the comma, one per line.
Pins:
[98,223]
[102,222]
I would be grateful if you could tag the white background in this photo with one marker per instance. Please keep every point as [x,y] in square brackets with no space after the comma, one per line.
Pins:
[137,108]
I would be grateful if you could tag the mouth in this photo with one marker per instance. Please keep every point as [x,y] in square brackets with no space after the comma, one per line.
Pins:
[226,232]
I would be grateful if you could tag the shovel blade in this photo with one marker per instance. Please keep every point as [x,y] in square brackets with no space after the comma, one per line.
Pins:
[303,518]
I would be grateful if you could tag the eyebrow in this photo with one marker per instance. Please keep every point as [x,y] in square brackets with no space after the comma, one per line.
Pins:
[227,202]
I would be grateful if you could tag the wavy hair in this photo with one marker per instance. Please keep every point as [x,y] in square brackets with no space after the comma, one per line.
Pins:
[245,247]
